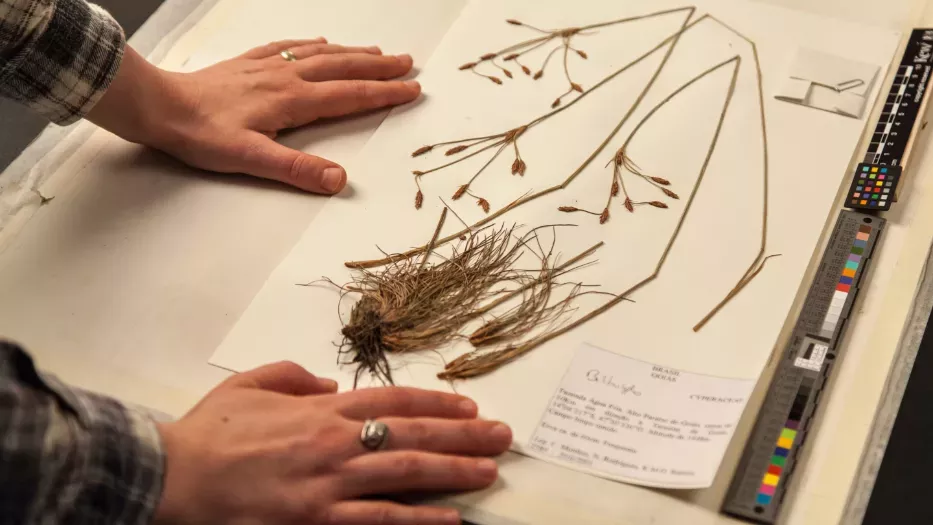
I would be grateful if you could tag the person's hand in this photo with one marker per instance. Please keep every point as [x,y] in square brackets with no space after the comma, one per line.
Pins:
[276,445]
[224,118]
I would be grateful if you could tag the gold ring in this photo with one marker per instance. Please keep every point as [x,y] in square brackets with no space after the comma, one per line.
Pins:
[288,55]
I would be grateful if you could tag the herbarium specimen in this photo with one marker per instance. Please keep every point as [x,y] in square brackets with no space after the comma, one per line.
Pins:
[482,361]
[416,305]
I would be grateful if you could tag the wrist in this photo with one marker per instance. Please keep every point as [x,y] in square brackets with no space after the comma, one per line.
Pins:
[139,103]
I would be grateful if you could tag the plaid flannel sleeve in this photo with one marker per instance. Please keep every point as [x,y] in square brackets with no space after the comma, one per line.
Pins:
[69,456]
[57,56]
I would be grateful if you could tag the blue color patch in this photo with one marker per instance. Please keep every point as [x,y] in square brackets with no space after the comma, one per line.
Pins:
[781,452]
[763,499]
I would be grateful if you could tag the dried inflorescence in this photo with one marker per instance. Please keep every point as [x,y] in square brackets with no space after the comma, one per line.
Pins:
[499,141]
[517,52]
[415,305]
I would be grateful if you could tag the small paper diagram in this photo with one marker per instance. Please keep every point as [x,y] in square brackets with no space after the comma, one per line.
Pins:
[828,82]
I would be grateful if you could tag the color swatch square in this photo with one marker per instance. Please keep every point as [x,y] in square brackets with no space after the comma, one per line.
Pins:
[870,182]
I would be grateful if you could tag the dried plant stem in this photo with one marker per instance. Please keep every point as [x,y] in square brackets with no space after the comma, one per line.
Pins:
[472,365]
[672,40]
[760,259]
[512,52]
[437,231]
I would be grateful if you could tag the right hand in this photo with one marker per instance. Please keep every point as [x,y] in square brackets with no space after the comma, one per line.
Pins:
[277,445]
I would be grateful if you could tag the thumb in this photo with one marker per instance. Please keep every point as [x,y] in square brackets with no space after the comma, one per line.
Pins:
[284,377]
[270,160]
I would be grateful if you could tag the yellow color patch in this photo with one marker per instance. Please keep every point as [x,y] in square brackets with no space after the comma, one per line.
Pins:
[785,443]
[771,480]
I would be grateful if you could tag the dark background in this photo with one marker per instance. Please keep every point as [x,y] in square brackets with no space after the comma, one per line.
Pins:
[19,125]
[902,492]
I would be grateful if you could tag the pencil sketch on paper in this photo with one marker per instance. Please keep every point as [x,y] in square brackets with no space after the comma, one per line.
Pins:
[546,307]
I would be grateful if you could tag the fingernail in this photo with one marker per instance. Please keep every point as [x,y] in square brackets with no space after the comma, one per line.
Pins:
[374,49]
[467,407]
[333,179]
[500,431]
[405,59]
[486,467]
[412,84]
[329,384]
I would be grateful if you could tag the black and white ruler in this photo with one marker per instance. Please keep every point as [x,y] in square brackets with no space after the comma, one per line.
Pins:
[761,481]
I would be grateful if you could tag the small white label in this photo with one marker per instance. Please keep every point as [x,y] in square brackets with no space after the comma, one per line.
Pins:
[638,422]
[812,356]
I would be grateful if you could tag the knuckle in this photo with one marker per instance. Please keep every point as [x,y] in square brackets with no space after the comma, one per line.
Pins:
[297,168]
[408,466]
[361,89]
[420,434]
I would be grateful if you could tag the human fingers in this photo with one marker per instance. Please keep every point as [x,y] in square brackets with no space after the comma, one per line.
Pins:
[284,377]
[263,157]
[318,48]
[471,437]
[406,471]
[274,48]
[370,403]
[387,513]
[342,97]
[362,66]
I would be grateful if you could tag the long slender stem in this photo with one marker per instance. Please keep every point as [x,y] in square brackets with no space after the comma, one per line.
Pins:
[672,40]
[515,352]
[760,258]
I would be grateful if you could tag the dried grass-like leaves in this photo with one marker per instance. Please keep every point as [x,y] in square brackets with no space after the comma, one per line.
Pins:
[412,305]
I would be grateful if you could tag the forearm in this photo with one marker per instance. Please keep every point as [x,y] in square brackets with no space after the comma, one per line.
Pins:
[68,456]
[57,56]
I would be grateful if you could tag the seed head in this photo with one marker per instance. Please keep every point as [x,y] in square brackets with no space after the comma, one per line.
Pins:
[576,87]
[496,80]
[526,70]
[507,73]
[417,172]
[468,65]
[484,204]
[658,204]
[456,149]
[514,22]
[419,200]
[539,74]
[582,54]
[422,150]
[518,167]
[556,102]
[662,182]
[463,237]
[629,206]
[670,193]
[615,188]
[567,209]
[460,191]
[512,56]
[488,56]
[604,216]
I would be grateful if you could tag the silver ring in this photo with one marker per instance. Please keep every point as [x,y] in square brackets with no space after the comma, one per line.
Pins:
[375,435]
[288,55]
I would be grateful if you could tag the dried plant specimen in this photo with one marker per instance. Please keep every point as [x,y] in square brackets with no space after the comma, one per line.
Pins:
[500,141]
[415,305]
[475,363]
[555,41]
[671,41]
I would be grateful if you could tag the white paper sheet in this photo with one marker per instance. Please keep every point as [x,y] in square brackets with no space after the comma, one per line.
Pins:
[831,83]
[639,422]
[809,154]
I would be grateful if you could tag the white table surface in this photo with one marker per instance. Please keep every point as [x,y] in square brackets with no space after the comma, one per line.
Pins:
[129,279]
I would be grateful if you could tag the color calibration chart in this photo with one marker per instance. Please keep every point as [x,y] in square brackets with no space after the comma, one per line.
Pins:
[761,480]
[873,187]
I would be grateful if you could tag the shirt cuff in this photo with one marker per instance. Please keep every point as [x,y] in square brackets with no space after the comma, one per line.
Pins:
[64,66]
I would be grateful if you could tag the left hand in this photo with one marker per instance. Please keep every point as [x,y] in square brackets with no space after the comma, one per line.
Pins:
[225,117]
